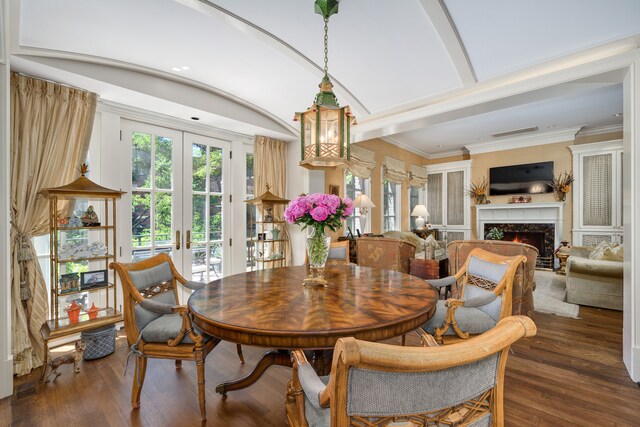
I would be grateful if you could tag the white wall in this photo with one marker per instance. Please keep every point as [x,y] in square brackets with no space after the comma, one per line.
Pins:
[6,359]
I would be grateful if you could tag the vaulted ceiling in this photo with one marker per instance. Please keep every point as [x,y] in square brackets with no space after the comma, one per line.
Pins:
[247,66]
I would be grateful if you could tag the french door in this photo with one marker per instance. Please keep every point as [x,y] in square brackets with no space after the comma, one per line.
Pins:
[179,199]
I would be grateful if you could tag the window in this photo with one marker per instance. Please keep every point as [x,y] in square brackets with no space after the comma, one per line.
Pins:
[355,186]
[416,197]
[390,205]
[249,193]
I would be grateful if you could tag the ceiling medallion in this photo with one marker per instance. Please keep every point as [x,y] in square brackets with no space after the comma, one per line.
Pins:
[325,128]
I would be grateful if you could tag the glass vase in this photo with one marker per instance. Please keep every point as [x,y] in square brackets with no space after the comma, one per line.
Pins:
[318,243]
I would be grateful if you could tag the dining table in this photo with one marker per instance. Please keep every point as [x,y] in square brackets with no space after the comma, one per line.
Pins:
[272,308]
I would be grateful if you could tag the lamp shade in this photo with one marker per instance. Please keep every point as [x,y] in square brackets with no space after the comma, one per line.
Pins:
[362,201]
[420,210]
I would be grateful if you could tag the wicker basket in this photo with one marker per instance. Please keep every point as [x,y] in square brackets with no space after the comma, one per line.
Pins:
[99,342]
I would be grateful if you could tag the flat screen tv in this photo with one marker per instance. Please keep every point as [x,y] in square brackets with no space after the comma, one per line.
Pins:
[531,178]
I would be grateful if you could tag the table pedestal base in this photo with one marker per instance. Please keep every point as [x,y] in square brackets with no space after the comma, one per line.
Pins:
[277,358]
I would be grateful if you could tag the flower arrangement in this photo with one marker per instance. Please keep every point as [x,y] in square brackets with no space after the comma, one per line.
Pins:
[319,211]
[478,192]
[562,184]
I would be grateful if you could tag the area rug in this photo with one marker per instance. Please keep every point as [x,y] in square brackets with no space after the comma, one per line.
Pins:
[550,293]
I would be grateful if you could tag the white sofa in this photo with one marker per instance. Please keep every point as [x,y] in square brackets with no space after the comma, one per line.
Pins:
[593,282]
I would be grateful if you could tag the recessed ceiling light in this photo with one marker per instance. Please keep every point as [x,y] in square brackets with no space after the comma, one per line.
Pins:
[184,67]
[617,115]
[176,69]
[195,118]
[440,145]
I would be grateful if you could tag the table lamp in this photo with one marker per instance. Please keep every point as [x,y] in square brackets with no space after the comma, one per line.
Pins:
[363,203]
[419,211]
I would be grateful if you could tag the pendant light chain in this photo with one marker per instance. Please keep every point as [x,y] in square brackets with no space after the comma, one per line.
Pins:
[326,46]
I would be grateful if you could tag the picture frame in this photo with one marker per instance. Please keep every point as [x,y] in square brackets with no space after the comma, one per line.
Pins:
[334,189]
[91,279]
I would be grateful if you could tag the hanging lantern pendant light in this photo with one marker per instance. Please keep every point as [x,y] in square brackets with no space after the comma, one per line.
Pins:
[325,128]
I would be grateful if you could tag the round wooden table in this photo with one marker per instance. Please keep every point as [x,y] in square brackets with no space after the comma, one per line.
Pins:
[271,308]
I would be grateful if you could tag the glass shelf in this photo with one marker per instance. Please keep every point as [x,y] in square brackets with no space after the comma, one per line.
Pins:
[96,227]
[268,259]
[91,289]
[94,258]
[105,316]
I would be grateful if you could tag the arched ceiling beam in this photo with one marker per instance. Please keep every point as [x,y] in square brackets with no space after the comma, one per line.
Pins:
[442,22]
[211,9]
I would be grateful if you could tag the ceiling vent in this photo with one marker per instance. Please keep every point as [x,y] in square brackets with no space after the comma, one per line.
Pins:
[514,132]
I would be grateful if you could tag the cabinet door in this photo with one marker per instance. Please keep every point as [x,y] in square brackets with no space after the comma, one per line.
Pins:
[598,182]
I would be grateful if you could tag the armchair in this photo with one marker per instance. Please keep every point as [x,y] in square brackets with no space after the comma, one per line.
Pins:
[486,280]
[385,253]
[382,385]
[156,325]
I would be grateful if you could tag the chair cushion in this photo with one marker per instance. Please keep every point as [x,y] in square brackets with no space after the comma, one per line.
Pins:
[317,417]
[155,275]
[487,270]
[144,316]
[166,327]
[469,320]
[492,309]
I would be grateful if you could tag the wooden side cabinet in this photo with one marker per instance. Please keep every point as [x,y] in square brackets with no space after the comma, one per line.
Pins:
[429,268]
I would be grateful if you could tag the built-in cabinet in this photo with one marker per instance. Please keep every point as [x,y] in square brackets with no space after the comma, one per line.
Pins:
[448,204]
[597,195]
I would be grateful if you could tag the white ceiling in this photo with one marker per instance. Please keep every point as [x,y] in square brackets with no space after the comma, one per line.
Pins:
[252,64]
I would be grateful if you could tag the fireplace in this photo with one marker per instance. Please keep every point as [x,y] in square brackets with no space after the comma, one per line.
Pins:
[540,236]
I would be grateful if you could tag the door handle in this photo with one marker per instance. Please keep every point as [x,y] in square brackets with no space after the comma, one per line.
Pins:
[188,239]
[177,240]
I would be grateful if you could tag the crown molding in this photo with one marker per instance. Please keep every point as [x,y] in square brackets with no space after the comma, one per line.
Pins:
[601,130]
[404,146]
[594,147]
[138,114]
[449,153]
[530,140]
[441,167]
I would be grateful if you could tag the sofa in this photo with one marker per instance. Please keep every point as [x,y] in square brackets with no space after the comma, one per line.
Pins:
[595,276]
[524,282]
[386,253]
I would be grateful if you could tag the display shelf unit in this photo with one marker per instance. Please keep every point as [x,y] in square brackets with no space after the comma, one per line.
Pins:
[267,248]
[65,199]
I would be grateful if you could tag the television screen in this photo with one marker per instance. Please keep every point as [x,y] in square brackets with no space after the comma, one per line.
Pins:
[531,178]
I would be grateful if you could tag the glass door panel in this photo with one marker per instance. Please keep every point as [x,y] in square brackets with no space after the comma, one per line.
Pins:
[206,172]
[155,214]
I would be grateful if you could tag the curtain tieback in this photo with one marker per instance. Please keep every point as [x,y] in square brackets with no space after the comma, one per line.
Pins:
[24,253]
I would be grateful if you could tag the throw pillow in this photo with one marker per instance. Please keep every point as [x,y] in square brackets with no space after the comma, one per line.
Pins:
[614,253]
[598,251]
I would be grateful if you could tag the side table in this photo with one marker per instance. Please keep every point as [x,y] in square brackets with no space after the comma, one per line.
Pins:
[430,269]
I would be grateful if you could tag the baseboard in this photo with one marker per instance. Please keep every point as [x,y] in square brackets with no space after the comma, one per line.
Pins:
[634,372]
[6,378]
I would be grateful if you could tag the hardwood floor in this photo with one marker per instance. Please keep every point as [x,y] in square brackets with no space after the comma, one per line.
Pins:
[571,373]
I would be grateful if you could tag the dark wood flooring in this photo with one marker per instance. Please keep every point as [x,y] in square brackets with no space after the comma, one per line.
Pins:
[571,373]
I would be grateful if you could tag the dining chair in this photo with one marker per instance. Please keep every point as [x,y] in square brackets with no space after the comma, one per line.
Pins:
[486,282]
[375,384]
[339,253]
[156,326]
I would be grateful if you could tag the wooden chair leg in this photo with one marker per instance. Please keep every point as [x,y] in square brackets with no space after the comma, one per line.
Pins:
[404,339]
[199,354]
[138,381]
[239,350]
[178,364]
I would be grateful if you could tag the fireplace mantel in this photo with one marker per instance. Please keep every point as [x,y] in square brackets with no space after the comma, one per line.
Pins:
[521,213]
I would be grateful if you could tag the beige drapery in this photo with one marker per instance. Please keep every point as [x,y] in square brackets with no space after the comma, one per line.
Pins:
[394,170]
[362,162]
[50,130]
[270,163]
[417,176]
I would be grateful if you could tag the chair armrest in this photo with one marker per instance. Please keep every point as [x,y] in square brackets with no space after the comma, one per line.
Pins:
[427,339]
[439,283]
[194,286]
[157,307]
[311,384]
[480,300]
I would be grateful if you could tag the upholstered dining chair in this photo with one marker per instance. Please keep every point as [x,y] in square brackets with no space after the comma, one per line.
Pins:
[383,385]
[156,325]
[339,253]
[486,281]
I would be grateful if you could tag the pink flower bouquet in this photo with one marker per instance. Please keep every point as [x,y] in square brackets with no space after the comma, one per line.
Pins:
[319,211]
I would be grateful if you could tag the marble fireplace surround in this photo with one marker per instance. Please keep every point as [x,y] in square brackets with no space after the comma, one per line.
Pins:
[522,213]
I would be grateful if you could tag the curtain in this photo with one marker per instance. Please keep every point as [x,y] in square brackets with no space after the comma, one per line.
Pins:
[455,198]
[270,167]
[50,131]
[417,176]
[394,170]
[434,198]
[362,162]
[596,191]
